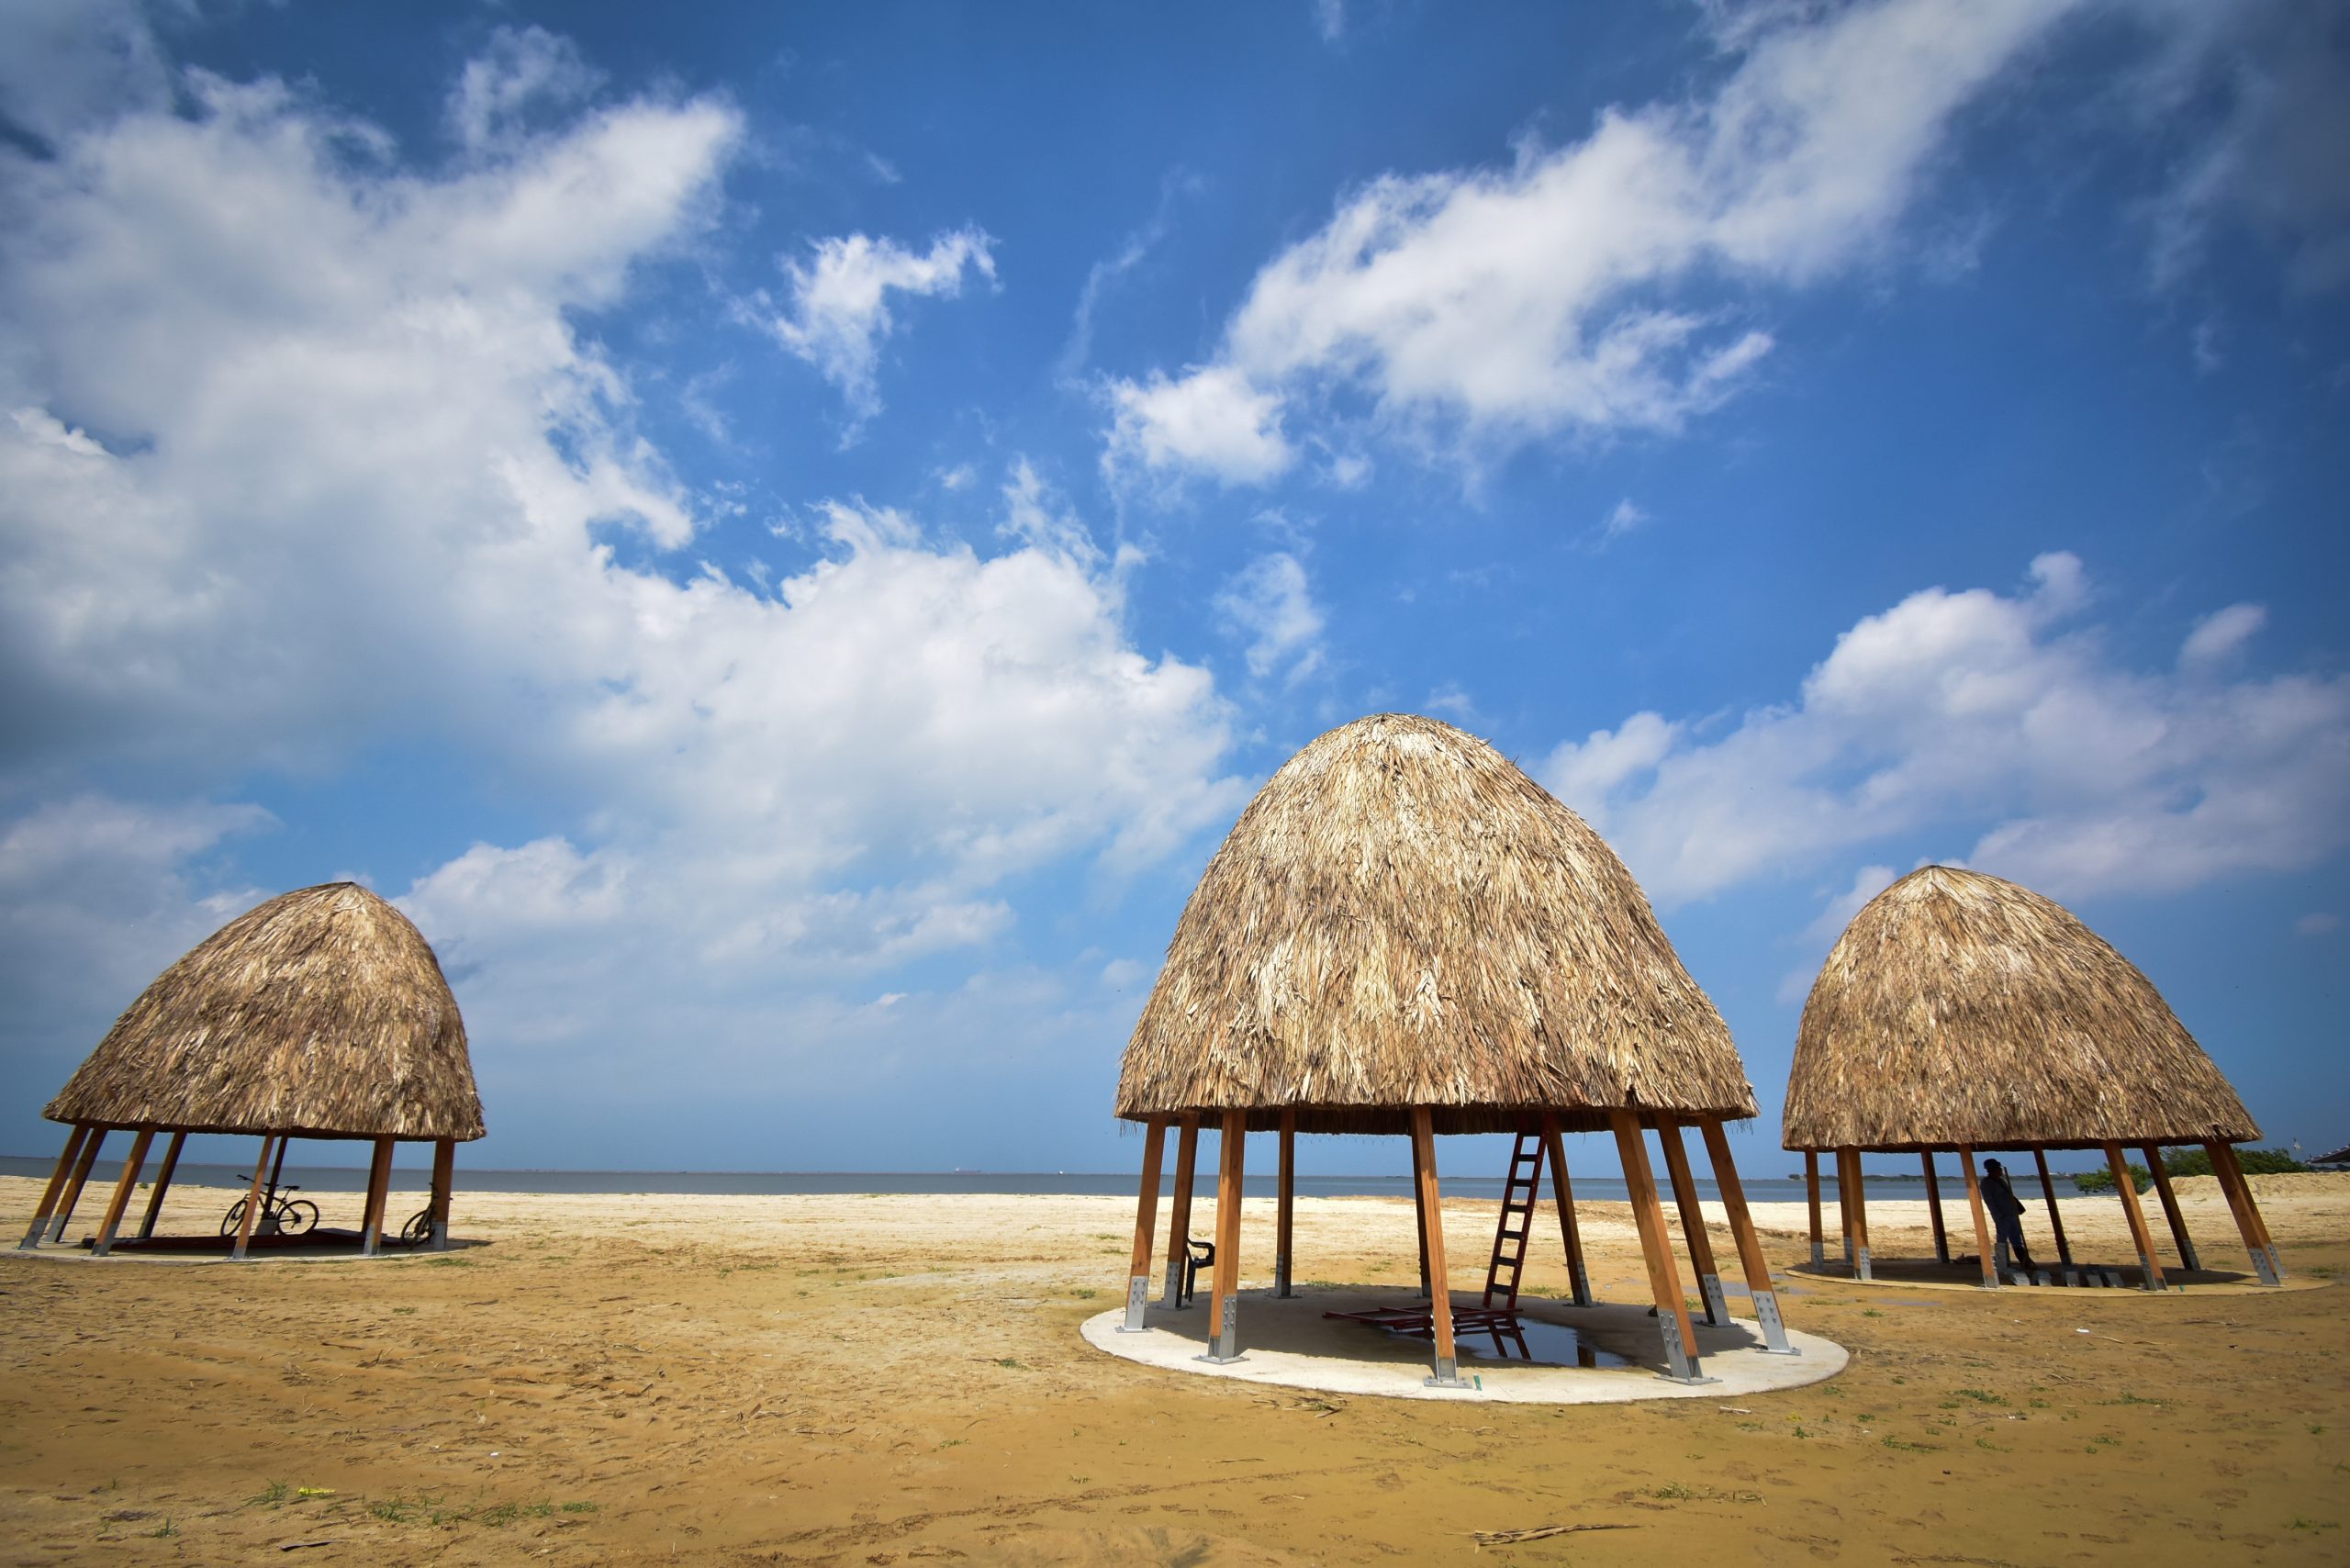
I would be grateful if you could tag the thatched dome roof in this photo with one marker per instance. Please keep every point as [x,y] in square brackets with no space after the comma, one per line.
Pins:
[321,1013]
[1402,918]
[1960,1008]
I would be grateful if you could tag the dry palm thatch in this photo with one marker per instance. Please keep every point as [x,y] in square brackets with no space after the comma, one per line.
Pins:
[1960,1008]
[1402,918]
[321,1013]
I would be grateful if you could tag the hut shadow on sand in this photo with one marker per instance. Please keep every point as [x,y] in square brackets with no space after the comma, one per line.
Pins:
[1404,935]
[1961,1014]
[321,1013]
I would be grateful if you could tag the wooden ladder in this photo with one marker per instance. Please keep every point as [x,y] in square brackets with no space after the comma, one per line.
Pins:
[1520,1195]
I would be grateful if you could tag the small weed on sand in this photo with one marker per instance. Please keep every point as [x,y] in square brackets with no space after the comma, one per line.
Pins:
[270,1497]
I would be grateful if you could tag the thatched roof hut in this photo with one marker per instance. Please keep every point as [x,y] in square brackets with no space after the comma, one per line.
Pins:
[1960,1012]
[319,1013]
[1405,934]
[1402,917]
[1958,1008]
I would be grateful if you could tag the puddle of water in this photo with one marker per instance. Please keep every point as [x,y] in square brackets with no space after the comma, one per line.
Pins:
[1535,1343]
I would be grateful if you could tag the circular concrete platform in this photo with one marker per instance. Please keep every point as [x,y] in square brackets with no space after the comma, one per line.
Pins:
[2048,1279]
[1290,1344]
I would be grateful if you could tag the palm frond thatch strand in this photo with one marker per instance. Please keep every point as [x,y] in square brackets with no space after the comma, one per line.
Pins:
[1402,917]
[321,1013]
[1960,1008]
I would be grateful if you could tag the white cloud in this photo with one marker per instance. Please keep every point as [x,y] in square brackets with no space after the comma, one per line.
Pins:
[1978,714]
[1626,518]
[2220,636]
[2261,89]
[2319,923]
[306,457]
[1330,19]
[1211,421]
[65,63]
[1822,934]
[522,68]
[840,302]
[1572,290]
[1270,603]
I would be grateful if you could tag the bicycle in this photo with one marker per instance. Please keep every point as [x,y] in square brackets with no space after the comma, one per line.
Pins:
[280,1215]
[418,1228]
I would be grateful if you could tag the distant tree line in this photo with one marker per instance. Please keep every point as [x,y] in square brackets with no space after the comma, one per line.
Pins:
[2180,1162]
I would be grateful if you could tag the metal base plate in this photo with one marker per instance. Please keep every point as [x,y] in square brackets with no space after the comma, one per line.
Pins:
[1216,1361]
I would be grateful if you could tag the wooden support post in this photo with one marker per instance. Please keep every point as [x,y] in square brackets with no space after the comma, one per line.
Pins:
[1154,1146]
[163,1185]
[1934,1208]
[2139,1236]
[444,1181]
[1982,1229]
[66,1159]
[2265,1264]
[252,1196]
[1285,1211]
[2056,1220]
[1749,1246]
[1420,1221]
[1681,1360]
[1431,1207]
[1692,1222]
[379,1183]
[1844,1206]
[1860,1186]
[1223,1307]
[2179,1239]
[1811,1191]
[1562,1195]
[1179,1223]
[122,1191]
[76,1182]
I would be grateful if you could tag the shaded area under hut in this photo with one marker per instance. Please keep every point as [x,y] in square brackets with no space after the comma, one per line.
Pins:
[1962,1013]
[1406,934]
[321,1013]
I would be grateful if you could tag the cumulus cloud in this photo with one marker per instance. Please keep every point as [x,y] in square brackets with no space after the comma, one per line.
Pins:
[521,69]
[1270,603]
[839,311]
[1988,716]
[1578,290]
[304,457]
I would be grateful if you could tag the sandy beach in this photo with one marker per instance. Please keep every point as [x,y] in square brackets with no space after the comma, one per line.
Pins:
[899,1379]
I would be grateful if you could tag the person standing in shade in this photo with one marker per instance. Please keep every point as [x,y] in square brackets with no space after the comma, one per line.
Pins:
[2007,1212]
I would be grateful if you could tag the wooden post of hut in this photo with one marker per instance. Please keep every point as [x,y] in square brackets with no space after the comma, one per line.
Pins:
[122,1191]
[1682,1362]
[1811,1193]
[444,1172]
[66,1160]
[163,1185]
[1562,1195]
[1285,1219]
[1749,1246]
[1961,1011]
[1934,1206]
[71,1196]
[2255,1231]
[1178,1222]
[1223,1307]
[2171,1212]
[1692,1222]
[1145,1216]
[345,1027]
[2125,1186]
[2055,1218]
[1983,1255]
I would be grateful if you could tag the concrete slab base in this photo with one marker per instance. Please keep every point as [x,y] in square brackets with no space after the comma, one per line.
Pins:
[1289,1343]
[1926,1275]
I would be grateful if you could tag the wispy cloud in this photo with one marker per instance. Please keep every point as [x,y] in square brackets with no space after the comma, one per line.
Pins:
[839,311]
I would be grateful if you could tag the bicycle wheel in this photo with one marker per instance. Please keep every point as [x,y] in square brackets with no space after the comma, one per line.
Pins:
[298,1217]
[233,1218]
[418,1228]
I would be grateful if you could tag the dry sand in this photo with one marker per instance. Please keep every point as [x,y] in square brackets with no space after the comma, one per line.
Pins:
[900,1379]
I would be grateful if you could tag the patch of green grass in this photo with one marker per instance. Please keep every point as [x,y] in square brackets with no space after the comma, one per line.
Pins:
[581,1507]
[501,1515]
[164,1531]
[2297,1522]
[394,1510]
[1872,1312]
[1085,1292]
[404,1312]
[270,1497]
[1984,1396]
[1907,1447]
[1008,1362]
[448,1262]
[2317,1428]
[1673,1491]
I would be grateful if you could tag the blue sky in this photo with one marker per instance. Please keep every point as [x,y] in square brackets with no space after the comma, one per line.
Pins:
[784,537]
